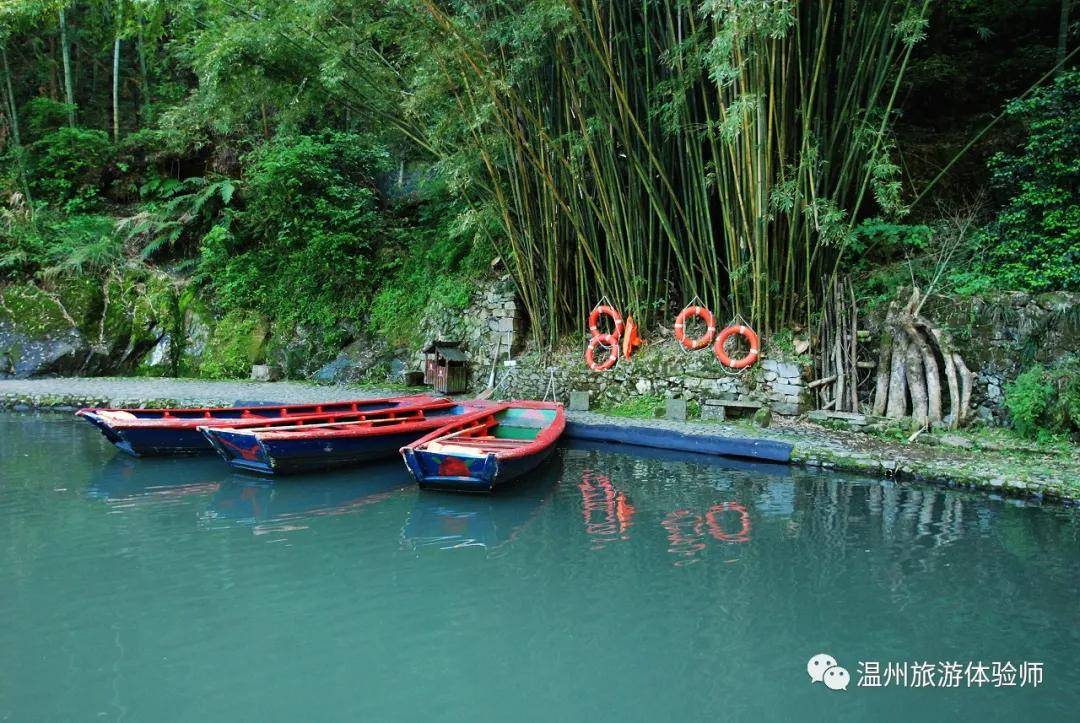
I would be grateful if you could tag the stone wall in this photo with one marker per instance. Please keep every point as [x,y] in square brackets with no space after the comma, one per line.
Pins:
[491,320]
[661,368]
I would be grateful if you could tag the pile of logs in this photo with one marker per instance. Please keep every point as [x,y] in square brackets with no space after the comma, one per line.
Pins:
[914,360]
[917,373]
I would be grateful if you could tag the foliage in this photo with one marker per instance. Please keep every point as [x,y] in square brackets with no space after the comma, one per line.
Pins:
[177,212]
[238,341]
[1046,400]
[645,406]
[1034,243]
[67,165]
[437,264]
[53,244]
[303,248]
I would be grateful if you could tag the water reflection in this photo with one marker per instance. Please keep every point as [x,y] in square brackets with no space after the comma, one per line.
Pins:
[279,505]
[450,521]
[123,480]
[608,512]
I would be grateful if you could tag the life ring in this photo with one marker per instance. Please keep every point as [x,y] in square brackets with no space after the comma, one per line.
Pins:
[680,327]
[717,531]
[611,343]
[745,332]
[594,321]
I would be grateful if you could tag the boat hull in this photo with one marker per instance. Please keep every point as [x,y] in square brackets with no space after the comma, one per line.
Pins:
[248,453]
[455,473]
[144,433]
[468,456]
[273,452]
[151,441]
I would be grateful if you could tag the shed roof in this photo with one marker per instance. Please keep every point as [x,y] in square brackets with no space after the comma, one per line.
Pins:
[441,346]
[451,353]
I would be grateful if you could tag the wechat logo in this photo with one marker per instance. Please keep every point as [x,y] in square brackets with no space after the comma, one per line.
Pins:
[823,669]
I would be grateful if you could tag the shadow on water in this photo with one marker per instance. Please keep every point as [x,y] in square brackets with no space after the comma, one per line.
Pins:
[126,479]
[257,501]
[445,521]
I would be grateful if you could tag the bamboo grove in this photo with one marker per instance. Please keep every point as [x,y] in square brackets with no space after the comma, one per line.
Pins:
[655,151]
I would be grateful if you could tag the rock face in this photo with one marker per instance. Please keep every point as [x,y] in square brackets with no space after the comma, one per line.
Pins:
[364,359]
[82,327]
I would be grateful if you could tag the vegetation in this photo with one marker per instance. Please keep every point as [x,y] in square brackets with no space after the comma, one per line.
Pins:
[1044,401]
[321,169]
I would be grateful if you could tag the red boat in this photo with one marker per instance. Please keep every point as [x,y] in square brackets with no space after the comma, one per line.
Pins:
[286,449]
[142,432]
[487,449]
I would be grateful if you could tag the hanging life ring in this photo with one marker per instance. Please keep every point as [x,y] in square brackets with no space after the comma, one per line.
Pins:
[611,343]
[717,531]
[680,327]
[594,321]
[747,333]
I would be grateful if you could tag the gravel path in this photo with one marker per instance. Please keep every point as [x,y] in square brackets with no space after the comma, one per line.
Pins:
[136,391]
[971,464]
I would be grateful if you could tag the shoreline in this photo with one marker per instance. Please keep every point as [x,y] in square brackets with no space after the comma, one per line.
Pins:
[1018,472]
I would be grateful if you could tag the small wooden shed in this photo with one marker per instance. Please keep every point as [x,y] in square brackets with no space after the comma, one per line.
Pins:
[446,367]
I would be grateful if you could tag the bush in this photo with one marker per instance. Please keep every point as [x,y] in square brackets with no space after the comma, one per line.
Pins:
[434,264]
[67,166]
[1046,400]
[52,243]
[303,248]
[1034,243]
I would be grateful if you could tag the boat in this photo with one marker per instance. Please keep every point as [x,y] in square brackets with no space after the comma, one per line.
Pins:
[147,432]
[288,449]
[487,449]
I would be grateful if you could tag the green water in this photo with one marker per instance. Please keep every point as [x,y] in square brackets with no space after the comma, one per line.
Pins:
[143,590]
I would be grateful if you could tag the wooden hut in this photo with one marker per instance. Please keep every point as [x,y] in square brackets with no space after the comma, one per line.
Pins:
[446,367]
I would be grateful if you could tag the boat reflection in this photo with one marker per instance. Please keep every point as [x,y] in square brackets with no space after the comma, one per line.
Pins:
[277,505]
[125,480]
[451,521]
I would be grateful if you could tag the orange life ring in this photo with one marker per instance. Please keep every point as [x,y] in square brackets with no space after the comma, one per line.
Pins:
[680,327]
[717,531]
[751,338]
[594,320]
[611,343]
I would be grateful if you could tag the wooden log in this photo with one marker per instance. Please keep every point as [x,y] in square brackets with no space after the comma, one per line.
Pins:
[898,385]
[966,383]
[881,390]
[820,382]
[916,378]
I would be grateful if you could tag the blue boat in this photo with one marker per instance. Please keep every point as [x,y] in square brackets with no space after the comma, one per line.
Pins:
[308,447]
[487,449]
[147,432]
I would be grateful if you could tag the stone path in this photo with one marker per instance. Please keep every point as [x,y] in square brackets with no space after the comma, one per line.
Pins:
[1031,474]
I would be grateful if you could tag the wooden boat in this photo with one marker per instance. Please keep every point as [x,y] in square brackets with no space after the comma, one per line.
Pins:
[287,449]
[142,432]
[487,449]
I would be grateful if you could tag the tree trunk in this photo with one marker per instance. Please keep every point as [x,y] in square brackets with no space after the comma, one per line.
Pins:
[116,71]
[966,383]
[951,380]
[916,384]
[9,96]
[1063,35]
[932,375]
[144,83]
[897,406]
[69,87]
[881,389]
